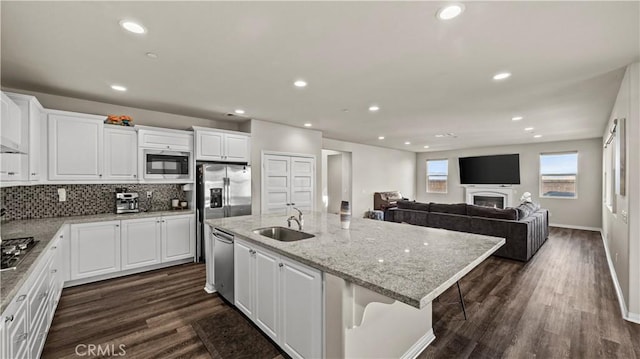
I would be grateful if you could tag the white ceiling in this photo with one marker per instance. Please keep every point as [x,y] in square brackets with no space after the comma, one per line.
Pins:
[428,76]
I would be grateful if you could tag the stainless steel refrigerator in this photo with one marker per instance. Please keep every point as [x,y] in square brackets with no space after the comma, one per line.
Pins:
[223,190]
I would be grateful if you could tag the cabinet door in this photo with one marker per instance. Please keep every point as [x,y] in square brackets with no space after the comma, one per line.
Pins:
[266,292]
[169,140]
[16,331]
[95,249]
[35,144]
[10,167]
[178,237]
[236,148]
[209,146]
[302,183]
[276,184]
[243,281]
[75,148]
[301,310]
[120,154]
[10,124]
[141,243]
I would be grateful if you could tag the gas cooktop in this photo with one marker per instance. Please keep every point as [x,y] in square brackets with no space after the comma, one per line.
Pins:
[14,251]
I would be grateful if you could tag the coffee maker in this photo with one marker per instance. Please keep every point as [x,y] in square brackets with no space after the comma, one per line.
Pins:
[126,203]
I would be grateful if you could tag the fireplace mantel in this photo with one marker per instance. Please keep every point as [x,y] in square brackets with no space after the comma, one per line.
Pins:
[506,193]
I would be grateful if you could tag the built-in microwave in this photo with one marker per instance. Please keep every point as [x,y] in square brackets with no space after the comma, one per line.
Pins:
[166,165]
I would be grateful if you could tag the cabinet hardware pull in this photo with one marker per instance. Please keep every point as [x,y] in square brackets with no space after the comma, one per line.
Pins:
[54,271]
[135,176]
[280,265]
[21,298]
[100,175]
[117,225]
[11,173]
[54,247]
[33,174]
[22,337]
[8,318]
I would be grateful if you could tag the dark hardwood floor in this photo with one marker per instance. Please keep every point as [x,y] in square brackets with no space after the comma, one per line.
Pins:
[560,304]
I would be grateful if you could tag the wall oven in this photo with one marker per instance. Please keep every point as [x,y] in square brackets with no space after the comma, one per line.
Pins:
[159,165]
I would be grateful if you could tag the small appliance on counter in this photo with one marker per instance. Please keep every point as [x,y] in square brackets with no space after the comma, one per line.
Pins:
[127,203]
[14,250]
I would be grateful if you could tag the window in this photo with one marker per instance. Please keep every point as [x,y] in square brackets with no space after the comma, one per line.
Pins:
[437,172]
[559,175]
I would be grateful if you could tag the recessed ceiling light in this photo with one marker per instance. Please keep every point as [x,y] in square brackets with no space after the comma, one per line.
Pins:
[381,137]
[307,125]
[381,260]
[300,83]
[133,27]
[407,143]
[374,108]
[516,118]
[152,55]
[502,76]
[239,111]
[426,147]
[528,128]
[450,11]
[407,250]
[118,88]
[537,136]
[439,136]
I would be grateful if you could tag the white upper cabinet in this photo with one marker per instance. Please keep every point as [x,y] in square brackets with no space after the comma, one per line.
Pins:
[31,114]
[75,147]
[165,139]
[222,146]
[120,154]
[236,148]
[10,125]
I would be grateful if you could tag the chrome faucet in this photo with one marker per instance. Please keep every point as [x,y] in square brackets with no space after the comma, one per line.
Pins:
[300,217]
[293,218]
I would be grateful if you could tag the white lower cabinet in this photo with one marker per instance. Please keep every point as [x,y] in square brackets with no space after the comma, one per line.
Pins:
[282,297]
[300,310]
[243,287]
[178,238]
[141,243]
[95,249]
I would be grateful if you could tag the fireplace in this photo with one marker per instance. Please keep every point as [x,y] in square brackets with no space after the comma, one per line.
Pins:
[489,201]
[494,197]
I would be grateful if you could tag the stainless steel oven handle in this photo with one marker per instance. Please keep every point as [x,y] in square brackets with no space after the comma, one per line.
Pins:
[222,236]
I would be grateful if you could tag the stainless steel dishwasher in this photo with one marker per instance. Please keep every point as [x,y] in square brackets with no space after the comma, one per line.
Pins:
[223,264]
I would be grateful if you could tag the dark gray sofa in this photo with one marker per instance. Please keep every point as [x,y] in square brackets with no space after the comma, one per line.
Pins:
[525,227]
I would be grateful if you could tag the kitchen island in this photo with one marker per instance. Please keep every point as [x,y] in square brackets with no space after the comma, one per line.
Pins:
[378,280]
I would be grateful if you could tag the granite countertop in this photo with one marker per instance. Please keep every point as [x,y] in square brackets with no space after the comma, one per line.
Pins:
[411,264]
[44,230]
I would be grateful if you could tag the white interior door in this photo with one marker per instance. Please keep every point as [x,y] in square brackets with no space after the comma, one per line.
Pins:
[302,183]
[276,184]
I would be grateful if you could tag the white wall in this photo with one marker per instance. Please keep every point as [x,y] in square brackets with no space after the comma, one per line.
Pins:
[140,116]
[621,221]
[376,169]
[268,136]
[585,211]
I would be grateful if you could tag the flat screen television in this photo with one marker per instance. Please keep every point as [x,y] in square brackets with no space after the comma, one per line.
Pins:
[499,169]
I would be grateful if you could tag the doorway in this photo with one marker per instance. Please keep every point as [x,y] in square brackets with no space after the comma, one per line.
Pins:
[336,179]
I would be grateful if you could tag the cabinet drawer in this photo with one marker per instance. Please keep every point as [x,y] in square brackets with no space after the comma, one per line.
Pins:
[38,295]
[37,335]
[16,329]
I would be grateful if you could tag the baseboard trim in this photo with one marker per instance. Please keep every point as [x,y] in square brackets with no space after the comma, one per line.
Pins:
[209,288]
[419,346]
[570,226]
[626,315]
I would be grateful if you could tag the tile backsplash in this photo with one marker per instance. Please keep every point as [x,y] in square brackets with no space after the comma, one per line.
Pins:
[30,202]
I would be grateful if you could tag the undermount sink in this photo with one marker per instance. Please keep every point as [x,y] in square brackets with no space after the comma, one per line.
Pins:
[282,234]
